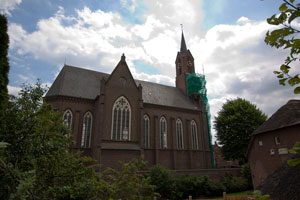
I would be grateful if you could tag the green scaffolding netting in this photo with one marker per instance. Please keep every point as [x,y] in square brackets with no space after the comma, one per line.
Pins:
[196,84]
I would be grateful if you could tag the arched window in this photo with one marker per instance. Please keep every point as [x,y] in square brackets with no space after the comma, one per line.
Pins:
[163,133]
[67,117]
[194,135]
[86,130]
[179,134]
[146,131]
[121,119]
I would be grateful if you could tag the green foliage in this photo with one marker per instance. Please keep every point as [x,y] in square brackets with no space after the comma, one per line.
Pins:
[234,184]
[257,194]
[35,162]
[295,150]
[129,183]
[286,37]
[4,66]
[170,186]
[164,180]
[246,173]
[234,124]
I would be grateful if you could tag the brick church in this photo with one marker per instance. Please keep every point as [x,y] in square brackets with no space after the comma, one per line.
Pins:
[115,117]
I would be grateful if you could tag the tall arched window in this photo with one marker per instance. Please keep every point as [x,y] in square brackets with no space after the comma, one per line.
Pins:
[86,130]
[163,133]
[121,119]
[67,117]
[179,134]
[146,131]
[194,135]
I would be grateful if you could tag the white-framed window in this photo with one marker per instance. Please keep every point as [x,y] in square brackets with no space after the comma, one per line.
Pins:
[146,131]
[121,119]
[194,135]
[272,151]
[277,140]
[179,134]
[86,130]
[260,143]
[163,133]
[67,118]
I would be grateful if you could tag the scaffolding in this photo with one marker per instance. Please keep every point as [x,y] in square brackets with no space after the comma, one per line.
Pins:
[196,85]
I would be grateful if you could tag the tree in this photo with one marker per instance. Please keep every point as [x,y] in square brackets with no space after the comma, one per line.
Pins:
[4,67]
[234,125]
[35,162]
[286,37]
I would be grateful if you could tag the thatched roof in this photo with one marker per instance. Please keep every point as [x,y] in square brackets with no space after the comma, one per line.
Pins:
[287,115]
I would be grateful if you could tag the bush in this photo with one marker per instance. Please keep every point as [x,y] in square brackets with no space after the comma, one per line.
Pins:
[234,184]
[171,187]
[246,173]
[163,179]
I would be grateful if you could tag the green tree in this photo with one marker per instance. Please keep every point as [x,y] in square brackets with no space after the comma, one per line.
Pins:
[129,183]
[286,36]
[4,67]
[234,125]
[35,162]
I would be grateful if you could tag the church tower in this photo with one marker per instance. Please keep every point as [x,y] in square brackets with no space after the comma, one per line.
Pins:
[184,66]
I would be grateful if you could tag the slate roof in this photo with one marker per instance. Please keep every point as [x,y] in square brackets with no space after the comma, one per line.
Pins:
[287,115]
[73,82]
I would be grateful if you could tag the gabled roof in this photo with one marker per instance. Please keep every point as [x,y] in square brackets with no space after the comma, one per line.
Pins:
[83,83]
[287,115]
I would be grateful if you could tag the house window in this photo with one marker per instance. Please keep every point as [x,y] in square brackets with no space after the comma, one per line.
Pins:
[67,118]
[194,135]
[146,131]
[163,133]
[179,134]
[260,143]
[277,140]
[121,119]
[272,151]
[86,130]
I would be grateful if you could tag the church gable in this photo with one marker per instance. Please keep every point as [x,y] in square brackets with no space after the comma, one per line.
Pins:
[121,77]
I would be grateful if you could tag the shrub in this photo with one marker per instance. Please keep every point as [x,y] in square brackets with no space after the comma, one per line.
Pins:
[234,184]
[164,180]
[246,173]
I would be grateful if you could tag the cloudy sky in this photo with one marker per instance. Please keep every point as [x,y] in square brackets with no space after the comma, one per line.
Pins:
[226,38]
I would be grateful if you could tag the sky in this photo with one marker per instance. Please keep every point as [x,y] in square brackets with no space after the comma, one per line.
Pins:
[225,37]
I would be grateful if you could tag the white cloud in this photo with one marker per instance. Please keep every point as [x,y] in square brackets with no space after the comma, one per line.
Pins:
[8,5]
[243,20]
[13,90]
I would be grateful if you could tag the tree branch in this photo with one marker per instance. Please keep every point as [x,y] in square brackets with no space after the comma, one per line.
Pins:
[297,8]
[290,27]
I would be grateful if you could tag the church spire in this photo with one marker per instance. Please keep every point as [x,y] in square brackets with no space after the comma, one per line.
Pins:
[183,45]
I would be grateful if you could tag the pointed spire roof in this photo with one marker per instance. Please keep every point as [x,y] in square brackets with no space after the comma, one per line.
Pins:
[183,45]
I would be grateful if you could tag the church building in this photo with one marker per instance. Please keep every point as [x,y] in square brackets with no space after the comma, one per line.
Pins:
[114,117]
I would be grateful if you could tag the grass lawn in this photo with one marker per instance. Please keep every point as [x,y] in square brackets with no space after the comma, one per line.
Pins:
[248,192]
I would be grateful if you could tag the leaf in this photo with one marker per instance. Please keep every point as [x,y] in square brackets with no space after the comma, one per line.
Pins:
[297,90]
[292,1]
[276,72]
[282,81]
[3,145]
[293,16]
[283,7]
[294,162]
[284,68]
